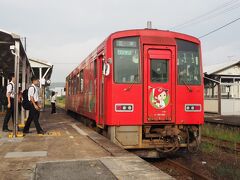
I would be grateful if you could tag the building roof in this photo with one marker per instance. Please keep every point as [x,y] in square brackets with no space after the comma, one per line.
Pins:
[45,66]
[39,63]
[212,69]
[6,57]
[8,36]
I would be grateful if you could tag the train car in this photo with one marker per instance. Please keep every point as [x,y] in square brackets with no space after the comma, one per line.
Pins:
[144,88]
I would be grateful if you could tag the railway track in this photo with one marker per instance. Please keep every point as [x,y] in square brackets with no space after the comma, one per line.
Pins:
[183,172]
[223,144]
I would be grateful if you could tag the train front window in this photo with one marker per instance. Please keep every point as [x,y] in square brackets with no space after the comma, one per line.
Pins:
[188,63]
[126,60]
[159,71]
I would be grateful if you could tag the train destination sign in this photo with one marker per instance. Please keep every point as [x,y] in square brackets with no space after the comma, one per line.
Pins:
[124,52]
[131,44]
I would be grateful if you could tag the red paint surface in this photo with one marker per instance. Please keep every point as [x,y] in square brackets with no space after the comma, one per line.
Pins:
[154,44]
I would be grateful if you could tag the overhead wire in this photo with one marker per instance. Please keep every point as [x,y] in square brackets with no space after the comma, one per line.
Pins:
[215,15]
[67,63]
[224,8]
[219,28]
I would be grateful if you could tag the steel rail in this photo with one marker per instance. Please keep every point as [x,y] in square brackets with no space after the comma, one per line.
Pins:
[185,170]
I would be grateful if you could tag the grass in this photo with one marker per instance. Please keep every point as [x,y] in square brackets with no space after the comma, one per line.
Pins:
[47,102]
[227,171]
[208,148]
[221,133]
[60,102]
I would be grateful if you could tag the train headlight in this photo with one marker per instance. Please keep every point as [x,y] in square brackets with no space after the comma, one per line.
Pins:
[193,107]
[124,107]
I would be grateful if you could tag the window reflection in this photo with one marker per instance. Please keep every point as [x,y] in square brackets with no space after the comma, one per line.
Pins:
[188,63]
[126,60]
[159,71]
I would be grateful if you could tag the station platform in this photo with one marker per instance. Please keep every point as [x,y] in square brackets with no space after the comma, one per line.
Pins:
[224,120]
[69,150]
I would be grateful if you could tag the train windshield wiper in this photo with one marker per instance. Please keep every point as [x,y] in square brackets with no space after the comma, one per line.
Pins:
[189,88]
[134,82]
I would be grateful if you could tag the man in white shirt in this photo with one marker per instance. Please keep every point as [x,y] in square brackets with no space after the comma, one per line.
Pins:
[33,97]
[53,102]
[10,100]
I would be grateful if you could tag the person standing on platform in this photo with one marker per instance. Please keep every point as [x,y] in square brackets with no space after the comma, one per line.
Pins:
[33,97]
[10,103]
[53,102]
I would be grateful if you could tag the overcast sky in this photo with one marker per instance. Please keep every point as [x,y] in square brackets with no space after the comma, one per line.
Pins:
[66,31]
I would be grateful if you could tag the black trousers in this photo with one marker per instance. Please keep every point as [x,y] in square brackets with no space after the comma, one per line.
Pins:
[33,116]
[53,108]
[9,113]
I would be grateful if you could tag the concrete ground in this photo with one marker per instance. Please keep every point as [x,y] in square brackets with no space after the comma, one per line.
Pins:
[69,150]
[219,119]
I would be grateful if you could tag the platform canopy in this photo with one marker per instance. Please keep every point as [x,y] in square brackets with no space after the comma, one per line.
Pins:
[41,69]
[8,39]
[13,59]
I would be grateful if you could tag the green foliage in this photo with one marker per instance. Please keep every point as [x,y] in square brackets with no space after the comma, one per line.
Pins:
[207,148]
[227,171]
[221,133]
[61,102]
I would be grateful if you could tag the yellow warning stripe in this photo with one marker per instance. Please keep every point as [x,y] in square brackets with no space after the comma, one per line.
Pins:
[51,133]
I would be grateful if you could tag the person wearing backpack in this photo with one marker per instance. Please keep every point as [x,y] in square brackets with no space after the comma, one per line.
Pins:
[34,107]
[10,103]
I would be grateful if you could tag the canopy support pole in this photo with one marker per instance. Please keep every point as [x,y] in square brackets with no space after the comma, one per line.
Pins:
[16,73]
[23,86]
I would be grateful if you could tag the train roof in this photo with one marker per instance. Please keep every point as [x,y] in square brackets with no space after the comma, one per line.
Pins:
[155,32]
[138,32]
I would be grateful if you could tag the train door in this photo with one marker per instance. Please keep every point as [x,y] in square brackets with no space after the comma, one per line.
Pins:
[100,93]
[158,84]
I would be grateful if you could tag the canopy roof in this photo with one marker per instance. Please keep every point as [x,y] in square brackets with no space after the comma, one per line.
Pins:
[46,67]
[6,57]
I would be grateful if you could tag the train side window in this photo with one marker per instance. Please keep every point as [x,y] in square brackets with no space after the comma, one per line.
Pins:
[73,86]
[81,81]
[159,71]
[95,69]
[77,83]
[69,87]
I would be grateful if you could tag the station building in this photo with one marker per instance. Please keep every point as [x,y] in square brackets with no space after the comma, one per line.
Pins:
[58,87]
[222,88]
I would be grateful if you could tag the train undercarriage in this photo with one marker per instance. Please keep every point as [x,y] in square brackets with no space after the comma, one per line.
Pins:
[150,141]
[156,140]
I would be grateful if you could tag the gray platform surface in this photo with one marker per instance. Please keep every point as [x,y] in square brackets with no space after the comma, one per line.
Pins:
[69,151]
[126,168]
[129,168]
[73,170]
[218,119]
[26,154]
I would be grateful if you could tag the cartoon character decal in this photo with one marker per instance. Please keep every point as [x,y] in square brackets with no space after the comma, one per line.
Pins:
[159,98]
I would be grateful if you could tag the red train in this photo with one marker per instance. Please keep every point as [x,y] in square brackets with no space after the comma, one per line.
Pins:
[144,88]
